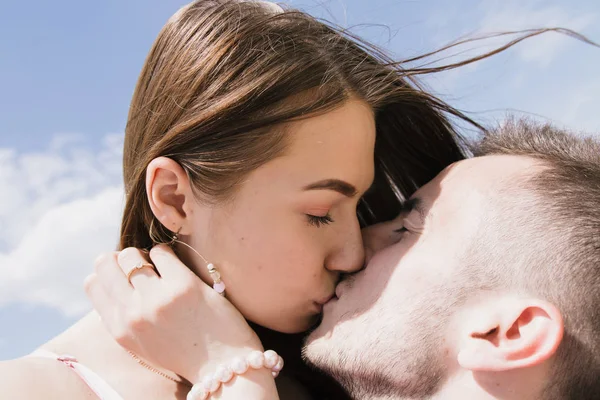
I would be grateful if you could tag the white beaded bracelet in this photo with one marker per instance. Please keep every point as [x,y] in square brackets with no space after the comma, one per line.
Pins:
[238,366]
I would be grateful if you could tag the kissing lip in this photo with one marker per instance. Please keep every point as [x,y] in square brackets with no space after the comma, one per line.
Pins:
[338,290]
[325,300]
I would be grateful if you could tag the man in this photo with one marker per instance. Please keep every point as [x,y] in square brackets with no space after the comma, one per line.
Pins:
[486,286]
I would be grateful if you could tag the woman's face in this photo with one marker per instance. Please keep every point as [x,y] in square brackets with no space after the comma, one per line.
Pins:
[282,241]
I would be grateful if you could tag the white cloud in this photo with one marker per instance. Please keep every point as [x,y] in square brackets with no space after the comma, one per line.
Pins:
[59,209]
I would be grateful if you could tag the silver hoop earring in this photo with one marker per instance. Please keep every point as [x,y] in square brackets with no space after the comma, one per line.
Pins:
[218,284]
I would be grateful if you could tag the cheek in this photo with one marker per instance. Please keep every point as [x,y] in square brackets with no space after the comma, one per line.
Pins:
[380,236]
[390,273]
[272,251]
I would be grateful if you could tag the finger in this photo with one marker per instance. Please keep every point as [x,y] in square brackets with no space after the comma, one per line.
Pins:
[109,274]
[168,265]
[137,268]
[105,305]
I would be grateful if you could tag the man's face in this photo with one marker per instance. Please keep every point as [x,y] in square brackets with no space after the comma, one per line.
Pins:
[391,325]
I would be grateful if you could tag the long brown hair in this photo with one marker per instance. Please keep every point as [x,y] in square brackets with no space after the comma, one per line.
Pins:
[224,76]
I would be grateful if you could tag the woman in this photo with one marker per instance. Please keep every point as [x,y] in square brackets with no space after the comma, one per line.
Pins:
[252,139]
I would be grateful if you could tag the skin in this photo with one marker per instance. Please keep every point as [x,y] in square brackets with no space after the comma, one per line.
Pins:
[280,247]
[425,330]
[459,338]
[422,320]
[273,243]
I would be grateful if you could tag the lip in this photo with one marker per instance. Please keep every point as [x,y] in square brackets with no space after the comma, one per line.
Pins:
[325,300]
[338,290]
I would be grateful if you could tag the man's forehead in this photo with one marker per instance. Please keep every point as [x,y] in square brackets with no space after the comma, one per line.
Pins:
[502,164]
[473,179]
[488,170]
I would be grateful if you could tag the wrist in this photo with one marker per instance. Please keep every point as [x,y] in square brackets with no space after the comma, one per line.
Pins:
[220,355]
[255,372]
[255,385]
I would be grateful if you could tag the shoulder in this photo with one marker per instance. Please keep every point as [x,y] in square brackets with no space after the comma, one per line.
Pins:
[40,378]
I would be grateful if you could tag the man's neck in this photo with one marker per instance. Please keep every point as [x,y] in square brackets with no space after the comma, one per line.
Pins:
[517,384]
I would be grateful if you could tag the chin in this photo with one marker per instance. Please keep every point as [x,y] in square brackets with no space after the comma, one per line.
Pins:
[317,332]
[333,340]
[317,350]
[323,326]
[318,343]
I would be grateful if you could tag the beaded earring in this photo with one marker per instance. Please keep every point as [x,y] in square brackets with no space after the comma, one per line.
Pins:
[218,284]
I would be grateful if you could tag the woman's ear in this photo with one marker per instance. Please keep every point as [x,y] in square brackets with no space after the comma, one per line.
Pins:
[510,333]
[170,194]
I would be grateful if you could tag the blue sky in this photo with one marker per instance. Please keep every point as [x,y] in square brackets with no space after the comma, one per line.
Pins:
[68,71]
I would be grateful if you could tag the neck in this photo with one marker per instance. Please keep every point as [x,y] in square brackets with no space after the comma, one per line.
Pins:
[518,384]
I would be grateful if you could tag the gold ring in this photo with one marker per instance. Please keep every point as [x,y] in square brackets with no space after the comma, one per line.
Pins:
[137,267]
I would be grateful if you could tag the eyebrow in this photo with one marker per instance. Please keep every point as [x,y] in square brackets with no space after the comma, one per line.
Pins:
[414,204]
[336,185]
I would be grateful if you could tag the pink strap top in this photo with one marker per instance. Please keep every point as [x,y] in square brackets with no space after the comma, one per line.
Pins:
[94,381]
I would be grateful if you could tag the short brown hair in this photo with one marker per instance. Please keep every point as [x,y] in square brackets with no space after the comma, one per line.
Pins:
[569,187]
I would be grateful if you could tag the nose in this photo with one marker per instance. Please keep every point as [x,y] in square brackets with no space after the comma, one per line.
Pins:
[377,237]
[350,254]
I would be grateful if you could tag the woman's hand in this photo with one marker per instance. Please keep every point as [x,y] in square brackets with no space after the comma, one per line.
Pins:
[174,321]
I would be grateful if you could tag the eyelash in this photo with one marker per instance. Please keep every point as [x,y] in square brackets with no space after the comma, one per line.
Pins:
[401,230]
[319,221]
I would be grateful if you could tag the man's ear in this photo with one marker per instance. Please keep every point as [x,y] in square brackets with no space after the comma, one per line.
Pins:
[509,333]
[169,193]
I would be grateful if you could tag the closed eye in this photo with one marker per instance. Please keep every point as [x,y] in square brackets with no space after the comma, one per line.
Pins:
[319,221]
